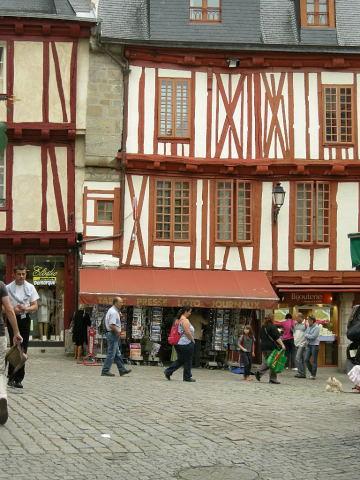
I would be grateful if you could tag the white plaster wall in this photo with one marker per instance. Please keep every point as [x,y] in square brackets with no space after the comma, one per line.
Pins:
[161,256]
[168,72]
[100,245]
[64,55]
[27,188]
[347,221]
[61,160]
[109,196]
[248,254]
[99,231]
[222,116]
[97,259]
[102,185]
[28,81]
[314,116]
[128,217]
[199,204]
[237,115]
[214,133]
[90,211]
[132,143]
[3,221]
[233,262]
[3,89]
[149,114]
[136,259]
[265,260]
[82,83]
[200,114]
[52,214]
[219,257]
[337,78]
[181,257]
[358,106]
[321,259]
[283,230]
[299,115]
[302,259]
[244,119]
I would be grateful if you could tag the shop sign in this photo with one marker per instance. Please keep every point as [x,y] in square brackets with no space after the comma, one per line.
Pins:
[310,298]
[44,276]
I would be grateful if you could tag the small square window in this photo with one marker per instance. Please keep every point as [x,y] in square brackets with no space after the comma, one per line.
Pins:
[104,211]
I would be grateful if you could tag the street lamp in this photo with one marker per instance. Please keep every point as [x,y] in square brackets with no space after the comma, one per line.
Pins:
[278,195]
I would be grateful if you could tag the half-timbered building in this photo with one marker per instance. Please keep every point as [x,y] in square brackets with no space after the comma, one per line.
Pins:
[225,100]
[43,80]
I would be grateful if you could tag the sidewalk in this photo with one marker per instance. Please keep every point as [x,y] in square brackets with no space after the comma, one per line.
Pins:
[71,423]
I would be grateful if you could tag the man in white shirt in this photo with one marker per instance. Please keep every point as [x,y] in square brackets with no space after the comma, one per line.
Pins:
[23,297]
[300,345]
[113,331]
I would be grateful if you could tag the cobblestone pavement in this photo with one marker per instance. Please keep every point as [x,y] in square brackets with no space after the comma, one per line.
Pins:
[70,423]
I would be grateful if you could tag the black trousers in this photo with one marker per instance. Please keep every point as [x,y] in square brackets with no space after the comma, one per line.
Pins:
[184,358]
[24,328]
[197,354]
[245,359]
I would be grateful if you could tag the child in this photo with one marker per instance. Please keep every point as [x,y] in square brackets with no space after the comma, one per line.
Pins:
[247,350]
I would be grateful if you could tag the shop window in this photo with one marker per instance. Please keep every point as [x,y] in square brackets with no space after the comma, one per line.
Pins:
[313,212]
[174,108]
[104,211]
[205,11]
[318,13]
[2,180]
[47,273]
[172,213]
[233,211]
[338,113]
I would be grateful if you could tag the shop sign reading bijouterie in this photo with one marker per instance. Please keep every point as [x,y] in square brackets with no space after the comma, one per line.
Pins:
[44,276]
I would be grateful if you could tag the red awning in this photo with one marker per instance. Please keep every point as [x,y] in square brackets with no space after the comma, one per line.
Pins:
[173,288]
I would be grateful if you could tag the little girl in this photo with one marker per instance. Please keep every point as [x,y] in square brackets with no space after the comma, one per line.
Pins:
[247,350]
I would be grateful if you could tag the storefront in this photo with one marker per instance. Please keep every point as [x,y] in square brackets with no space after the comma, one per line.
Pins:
[54,277]
[222,302]
[325,307]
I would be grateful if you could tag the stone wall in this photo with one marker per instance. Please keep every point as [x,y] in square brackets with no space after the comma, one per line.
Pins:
[346,303]
[104,109]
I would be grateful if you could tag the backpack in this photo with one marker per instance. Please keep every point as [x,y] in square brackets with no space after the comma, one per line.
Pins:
[353,326]
[174,335]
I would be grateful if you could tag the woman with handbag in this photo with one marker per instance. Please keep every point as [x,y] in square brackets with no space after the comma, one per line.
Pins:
[185,346]
[269,340]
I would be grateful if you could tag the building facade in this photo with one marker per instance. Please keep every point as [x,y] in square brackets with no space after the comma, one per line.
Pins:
[225,100]
[44,69]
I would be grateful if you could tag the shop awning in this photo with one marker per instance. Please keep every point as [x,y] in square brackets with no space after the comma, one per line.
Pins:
[173,288]
[355,248]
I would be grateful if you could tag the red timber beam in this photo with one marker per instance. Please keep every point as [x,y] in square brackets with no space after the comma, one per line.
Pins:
[348,170]
[57,30]
[217,60]
[316,280]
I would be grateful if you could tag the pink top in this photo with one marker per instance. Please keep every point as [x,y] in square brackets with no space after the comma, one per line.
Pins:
[287,325]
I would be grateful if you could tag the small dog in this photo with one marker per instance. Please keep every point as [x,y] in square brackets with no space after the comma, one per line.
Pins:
[333,385]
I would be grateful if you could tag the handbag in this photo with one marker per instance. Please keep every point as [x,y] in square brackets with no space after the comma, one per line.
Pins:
[16,357]
[276,360]
[174,335]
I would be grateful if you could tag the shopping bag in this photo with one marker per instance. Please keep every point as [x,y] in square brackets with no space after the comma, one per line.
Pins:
[276,360]
[16,357]
[354,375]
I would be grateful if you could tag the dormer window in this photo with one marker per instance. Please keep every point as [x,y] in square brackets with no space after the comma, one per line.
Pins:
[206,11]
[318,13]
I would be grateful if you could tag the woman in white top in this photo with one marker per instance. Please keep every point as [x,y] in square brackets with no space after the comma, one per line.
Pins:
[184,347]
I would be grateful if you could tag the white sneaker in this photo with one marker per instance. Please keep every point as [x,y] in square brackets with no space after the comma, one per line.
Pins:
[312,377]
[295,369]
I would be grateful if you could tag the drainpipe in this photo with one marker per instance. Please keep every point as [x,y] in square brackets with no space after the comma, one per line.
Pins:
[123,63]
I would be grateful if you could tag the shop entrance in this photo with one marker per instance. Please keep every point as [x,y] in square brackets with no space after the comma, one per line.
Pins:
[46,273]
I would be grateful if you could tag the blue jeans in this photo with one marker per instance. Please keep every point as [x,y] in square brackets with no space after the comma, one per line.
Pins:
[311,351]
[113,353]
[300,360]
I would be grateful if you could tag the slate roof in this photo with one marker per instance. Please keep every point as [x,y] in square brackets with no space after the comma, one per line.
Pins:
[60,9]
[245,24]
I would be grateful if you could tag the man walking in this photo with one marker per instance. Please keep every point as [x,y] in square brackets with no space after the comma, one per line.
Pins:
[300,345]
[23,297]
[113,330]
[9,311]
[312,348]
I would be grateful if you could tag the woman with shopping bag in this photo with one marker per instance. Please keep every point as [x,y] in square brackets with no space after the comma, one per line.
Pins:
[269,341]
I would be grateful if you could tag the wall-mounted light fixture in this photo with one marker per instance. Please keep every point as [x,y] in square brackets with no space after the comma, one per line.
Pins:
[278,195]
[233,62]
